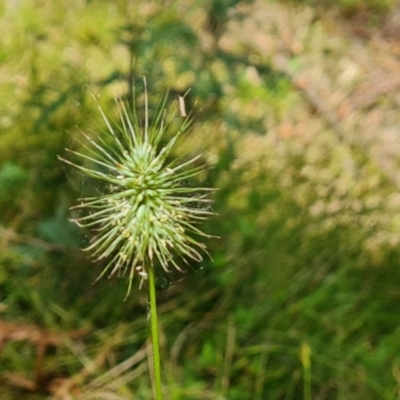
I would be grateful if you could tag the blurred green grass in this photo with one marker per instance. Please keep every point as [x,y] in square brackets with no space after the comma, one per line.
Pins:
[308,251]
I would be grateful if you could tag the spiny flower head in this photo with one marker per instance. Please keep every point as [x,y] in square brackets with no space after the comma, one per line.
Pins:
[148,215]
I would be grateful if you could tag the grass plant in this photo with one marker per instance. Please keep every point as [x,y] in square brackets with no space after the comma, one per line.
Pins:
[309,221]
[148,216]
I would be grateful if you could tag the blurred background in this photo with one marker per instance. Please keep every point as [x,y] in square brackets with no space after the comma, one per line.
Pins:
[296,111]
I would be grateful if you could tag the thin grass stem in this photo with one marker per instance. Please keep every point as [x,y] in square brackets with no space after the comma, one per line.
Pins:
[154,334]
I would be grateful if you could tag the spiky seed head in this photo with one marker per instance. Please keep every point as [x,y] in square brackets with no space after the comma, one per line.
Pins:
[148,216]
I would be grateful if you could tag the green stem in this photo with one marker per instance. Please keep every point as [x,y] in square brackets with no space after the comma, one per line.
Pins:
[154,335]
[307,384]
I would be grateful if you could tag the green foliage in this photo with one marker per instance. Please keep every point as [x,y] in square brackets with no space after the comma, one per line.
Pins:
[58,230]
[13,179]
[309,246]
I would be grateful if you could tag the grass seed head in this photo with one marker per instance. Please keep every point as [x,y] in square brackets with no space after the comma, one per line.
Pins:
[148,216]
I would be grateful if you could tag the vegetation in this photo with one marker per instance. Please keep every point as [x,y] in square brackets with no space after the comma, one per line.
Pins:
[295,112]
